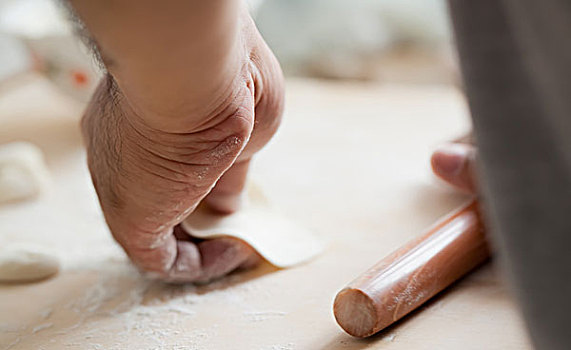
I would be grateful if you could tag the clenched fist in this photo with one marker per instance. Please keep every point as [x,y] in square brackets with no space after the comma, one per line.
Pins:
[151,171]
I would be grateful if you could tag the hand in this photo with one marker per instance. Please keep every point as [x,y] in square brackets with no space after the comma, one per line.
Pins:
[455,163]
[150,176]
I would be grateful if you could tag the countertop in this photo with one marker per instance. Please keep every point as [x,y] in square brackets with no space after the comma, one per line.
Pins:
[351,162]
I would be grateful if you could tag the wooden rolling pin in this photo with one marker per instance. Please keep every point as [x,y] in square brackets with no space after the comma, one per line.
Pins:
[408,277]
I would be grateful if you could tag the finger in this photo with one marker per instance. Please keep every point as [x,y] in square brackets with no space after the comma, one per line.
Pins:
[192,262]
[253,260]
[226,197]
[221,256]
[163,256]
[187,265]
[174,257]
[455,164]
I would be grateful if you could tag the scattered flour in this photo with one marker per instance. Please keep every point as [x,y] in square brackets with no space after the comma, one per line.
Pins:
[41,327]
[263,315]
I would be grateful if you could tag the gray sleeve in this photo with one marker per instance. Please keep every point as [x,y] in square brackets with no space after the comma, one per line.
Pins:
[516,63]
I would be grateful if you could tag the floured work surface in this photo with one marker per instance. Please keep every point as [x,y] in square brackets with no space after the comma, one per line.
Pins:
[350,163]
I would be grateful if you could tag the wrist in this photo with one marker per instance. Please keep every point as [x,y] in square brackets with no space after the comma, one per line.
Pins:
[199,104]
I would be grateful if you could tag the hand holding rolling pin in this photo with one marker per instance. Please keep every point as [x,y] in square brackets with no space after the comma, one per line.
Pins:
[423,267]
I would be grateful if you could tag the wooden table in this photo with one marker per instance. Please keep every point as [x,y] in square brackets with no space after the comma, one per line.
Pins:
[350,162]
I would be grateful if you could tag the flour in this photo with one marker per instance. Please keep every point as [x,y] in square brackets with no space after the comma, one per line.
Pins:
[287,346]
[41,327]
[263,315]
[45,314]
[13,343]
[389,337]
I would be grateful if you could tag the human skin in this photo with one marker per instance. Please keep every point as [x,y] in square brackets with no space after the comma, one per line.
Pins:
[455,163]
[192,92]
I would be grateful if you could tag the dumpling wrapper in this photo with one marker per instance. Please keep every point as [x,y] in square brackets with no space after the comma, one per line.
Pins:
[277,239]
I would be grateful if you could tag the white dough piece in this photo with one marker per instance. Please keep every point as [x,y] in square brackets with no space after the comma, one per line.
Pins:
[280,241]
[25,263]
[23,172]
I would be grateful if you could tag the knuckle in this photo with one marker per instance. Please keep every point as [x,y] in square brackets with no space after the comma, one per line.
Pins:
[150,253]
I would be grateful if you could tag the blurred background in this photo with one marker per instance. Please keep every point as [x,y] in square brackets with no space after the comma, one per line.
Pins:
[397,41]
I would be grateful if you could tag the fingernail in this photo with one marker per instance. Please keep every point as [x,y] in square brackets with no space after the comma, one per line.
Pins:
[449,159]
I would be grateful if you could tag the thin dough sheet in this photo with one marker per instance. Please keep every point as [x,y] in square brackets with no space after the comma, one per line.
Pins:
[279,240]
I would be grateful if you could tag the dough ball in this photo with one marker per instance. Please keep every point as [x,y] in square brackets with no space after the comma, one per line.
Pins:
[25,263]
[23,172]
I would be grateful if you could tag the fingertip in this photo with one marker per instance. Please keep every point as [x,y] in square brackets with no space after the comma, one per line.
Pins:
[448,160]
[168,259]
[454,163]
[251,262]
[153,258]
[221,256]
[186,266]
